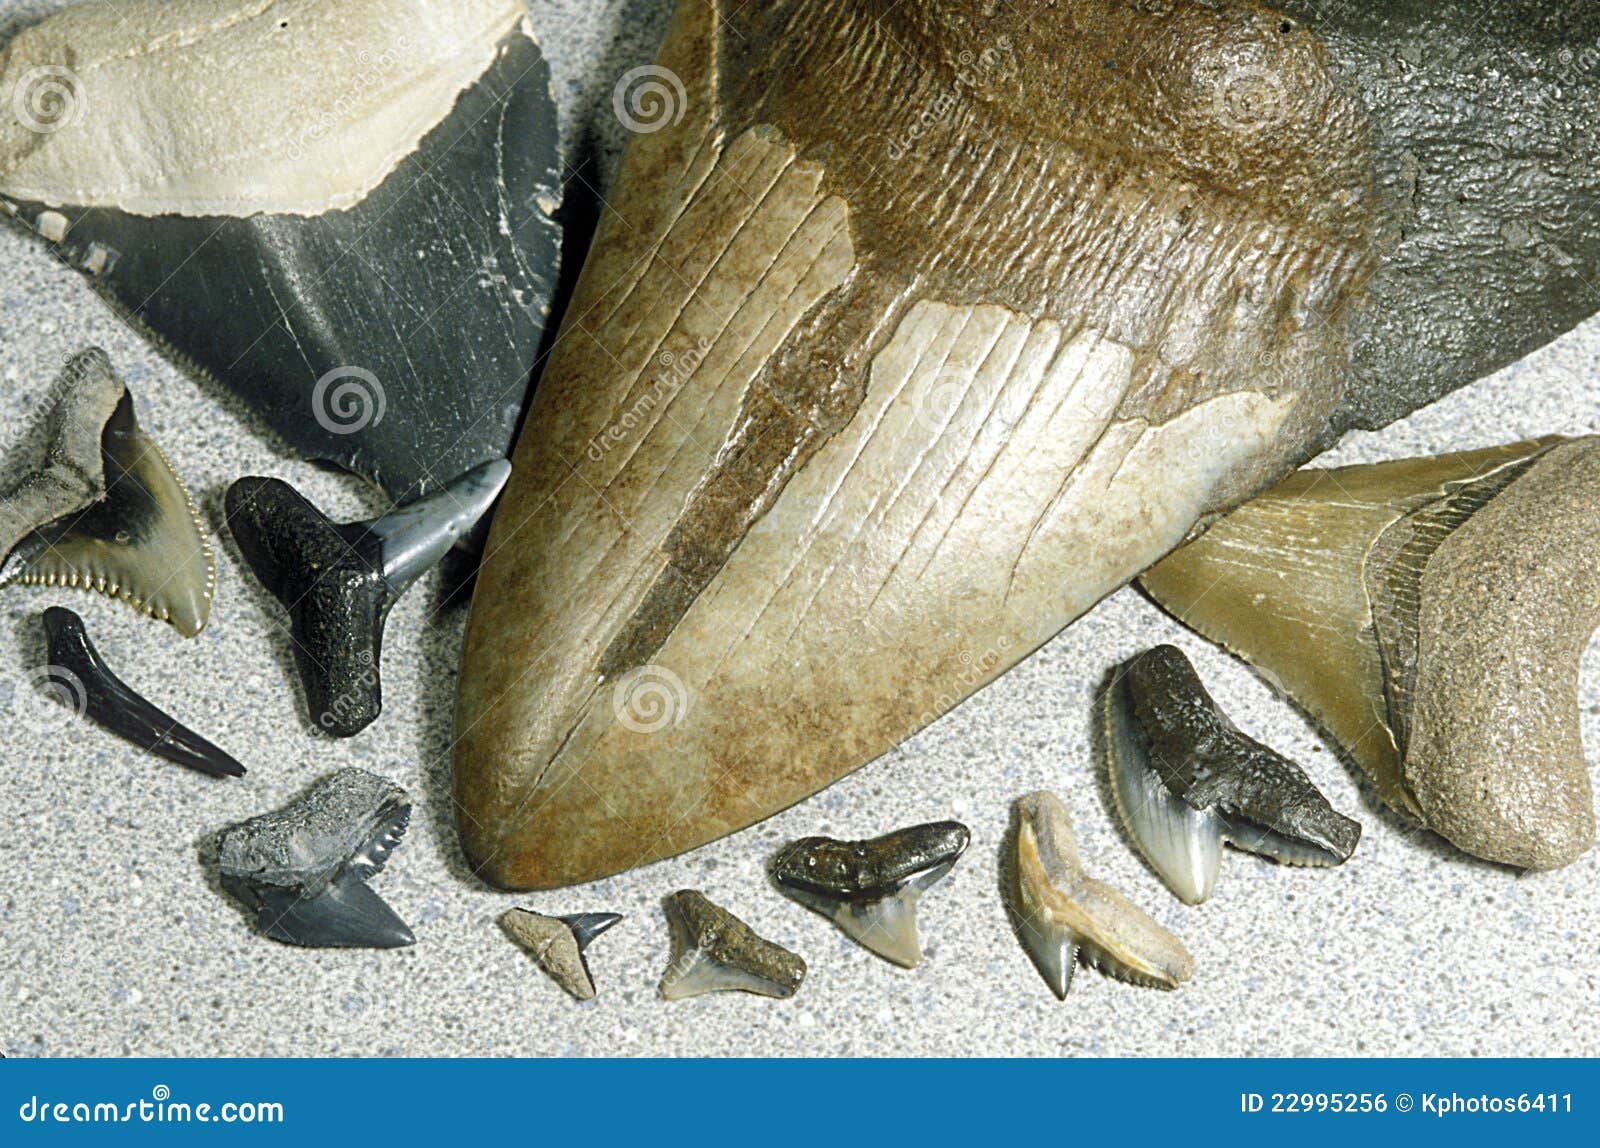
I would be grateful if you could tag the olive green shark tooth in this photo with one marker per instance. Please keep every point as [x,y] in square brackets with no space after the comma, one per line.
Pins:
[714,951]
[1062,915]
[870,889]
[1185,779]
[841,438]
[1430,614]
[558,944]
[105,511]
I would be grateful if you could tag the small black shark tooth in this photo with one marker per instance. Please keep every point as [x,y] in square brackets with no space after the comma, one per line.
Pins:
[714,951]
[85,682]
[339,582]
[558,944]
[303,870]
[104,511]
[1186,779]
[870,889]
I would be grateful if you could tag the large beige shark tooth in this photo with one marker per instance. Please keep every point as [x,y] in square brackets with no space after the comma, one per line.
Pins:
[857,407]
[105,511]
[1063,915]
[1431,615]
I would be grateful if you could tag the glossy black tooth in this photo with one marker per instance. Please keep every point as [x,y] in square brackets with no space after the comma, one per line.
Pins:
[109,703]
[587,926]
[345,915]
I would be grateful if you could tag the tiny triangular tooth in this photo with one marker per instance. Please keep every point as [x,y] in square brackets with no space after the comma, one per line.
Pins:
[557,944]
[714,951]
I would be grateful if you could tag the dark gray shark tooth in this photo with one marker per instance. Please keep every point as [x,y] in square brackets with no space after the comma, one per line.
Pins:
[714,951]
[558,944]
[1063,915]
[1186,779]
[339,582]
[342,211]
[105,699]
[105,511]
[870,889]
[303,869]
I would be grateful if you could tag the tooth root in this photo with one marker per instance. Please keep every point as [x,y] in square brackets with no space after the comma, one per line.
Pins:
[714,951]
[557,944]
[1182,844]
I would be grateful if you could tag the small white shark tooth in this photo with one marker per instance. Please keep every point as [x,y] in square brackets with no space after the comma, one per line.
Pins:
[1063,915]
[303,869]
[105,511]
[870,889]
[557,944]
[714,951]
[1431,615]
[1186,779]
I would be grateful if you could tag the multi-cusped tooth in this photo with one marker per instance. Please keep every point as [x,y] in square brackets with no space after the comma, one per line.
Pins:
[1431,614]
[105,510]
[870,889]
[81,679]
[1185,779]
[303,870]
[714,951]
[1062,915]
[558,944]
[339,582]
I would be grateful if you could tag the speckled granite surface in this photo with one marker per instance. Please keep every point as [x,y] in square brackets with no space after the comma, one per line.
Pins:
[115,940]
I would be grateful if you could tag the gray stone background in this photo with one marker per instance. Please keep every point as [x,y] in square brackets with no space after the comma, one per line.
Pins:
[114,939]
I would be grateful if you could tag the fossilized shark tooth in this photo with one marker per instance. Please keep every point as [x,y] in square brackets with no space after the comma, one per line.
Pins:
[342,211]
[714,951]
[105,512]
[1185,779]
[339,582]
[82,680]
[870,889]
[558,944]
[303,870]
[1430,614]
[1062,914]
[884,377]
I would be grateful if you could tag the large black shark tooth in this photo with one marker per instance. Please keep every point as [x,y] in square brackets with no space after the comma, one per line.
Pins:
[104,510]
[1186,779]
[81,679]
[339,582]
[341,209]
[303,869]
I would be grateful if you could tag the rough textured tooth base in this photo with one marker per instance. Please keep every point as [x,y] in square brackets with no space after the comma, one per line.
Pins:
[714,951]
[107,701]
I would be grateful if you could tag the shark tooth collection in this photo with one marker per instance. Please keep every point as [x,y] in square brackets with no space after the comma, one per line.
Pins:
[303,870]
[106,700]
[1430,614]
[714,951]
[1063,915]
[1185,779]
[339,582]
[341,211]
[104,511]
[870,889]
[558,944]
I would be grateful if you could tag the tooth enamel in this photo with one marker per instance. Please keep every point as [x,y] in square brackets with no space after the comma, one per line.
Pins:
[1186,779]
[870,889]
[557,944]
[108,702]
[1063,915]
[1431,615]
[714,951]
[303,869]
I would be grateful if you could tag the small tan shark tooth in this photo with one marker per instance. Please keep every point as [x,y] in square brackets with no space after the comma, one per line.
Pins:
[1430,614]
[1185,779]
[557,944]
[119,520]
[714,951]
[870,889]
[1062,915]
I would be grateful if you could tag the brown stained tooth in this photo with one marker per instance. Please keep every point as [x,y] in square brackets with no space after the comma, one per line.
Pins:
[714,951]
